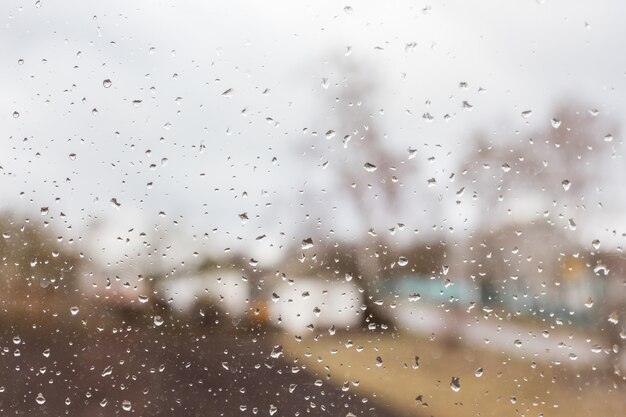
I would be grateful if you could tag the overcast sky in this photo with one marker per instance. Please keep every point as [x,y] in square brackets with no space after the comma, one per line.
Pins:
[206,112]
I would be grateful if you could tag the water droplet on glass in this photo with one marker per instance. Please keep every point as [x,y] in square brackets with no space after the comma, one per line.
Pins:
[608,138]
[44,211]
[566,184]
[555,123]
[158,320]
[572,224]
[16,114]
[478,373]
[455,384]
[307,243]
[74,310]
[126,405]
[596,244]
[72,156]
[40,399]
[517,343]
[348,9]
[107,83]
[379,361]
[403,261]
[589,302]
[369,167]
[527,113]
[143,298]
[273,409]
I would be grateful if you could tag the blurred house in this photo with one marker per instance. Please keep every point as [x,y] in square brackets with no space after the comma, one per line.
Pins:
[226,291]
[311,304]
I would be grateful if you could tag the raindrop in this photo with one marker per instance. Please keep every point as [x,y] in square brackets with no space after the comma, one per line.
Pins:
[517,343]
[16,114]
[403,261]
[527,113]
[379,361]
[455,384]
[273,409]
[414,297]
[107,83]
[74,310]
[596,244]
[566,184]
[608,138]
[44,211]
[126,405]
[307,243]
[348,9]
[72,156]
[479,372]
[555,123]
[572,224]
[369,167]
[158,320]
[143,299]
[40,399]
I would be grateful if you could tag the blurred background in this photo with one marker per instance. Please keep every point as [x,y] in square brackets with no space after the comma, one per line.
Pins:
[312,208]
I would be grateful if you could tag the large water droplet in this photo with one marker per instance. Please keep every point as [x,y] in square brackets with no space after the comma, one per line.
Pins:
[369,167]
[455,384]
[566,184]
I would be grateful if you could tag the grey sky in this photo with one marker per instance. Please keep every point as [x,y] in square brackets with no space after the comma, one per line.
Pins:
[525,57]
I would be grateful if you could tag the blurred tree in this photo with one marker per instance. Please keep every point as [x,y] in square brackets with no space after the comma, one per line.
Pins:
[555,165]
[35,264]
[364,171]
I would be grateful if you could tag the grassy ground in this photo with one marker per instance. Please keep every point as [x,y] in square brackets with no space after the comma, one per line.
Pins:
[507,387]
